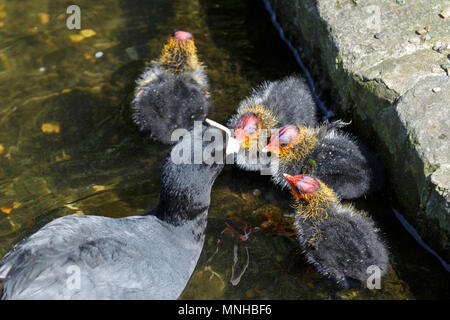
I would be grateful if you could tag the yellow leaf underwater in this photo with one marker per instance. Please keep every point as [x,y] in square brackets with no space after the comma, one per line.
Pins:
[44,18]
[6,210]
[87,33]
[98,188]
[76,37]
[2,149]
[50,128]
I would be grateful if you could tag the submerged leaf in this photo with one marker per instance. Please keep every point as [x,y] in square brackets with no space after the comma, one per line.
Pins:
[44,18]
[50,128]
[76,37]
[87,33]
[6,210]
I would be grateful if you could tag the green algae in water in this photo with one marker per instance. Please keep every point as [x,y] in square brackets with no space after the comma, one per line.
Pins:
[97,163]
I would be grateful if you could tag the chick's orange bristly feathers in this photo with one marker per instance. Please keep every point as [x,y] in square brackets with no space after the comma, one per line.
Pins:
[274,104]
[249,125]
[179,54]
[312,197]
[288,137]
[333,156]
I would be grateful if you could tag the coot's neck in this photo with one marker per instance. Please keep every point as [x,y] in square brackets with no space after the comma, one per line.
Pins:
[177,207]
[186,186]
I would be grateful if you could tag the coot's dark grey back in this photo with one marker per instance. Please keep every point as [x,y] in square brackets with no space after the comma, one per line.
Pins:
[129,258]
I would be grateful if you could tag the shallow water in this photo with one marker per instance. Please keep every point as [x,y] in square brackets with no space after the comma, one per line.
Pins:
[67,145]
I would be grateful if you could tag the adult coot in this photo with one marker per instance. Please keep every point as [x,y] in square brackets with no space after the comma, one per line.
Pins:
[140,257]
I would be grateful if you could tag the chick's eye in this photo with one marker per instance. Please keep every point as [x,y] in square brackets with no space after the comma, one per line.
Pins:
[250,129]
[287,135]
[284,141]
[300,188]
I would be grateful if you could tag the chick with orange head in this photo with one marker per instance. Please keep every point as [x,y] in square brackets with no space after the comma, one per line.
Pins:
[329,154]
[173,91]
[338,240]
[271,105]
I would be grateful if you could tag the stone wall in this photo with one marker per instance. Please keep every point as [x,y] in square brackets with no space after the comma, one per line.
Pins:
[378,57]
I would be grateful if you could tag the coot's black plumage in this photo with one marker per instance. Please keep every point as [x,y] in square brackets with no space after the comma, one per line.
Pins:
[173,92]
[140,257]
[339,241]
[271,105]
[329,154]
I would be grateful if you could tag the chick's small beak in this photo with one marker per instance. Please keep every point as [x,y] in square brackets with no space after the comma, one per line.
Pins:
[289,177]
[291,180]
[182,35]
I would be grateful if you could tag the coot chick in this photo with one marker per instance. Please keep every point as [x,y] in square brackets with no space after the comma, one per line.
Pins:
[339,241]
[173,92]
[139,257]
[271,105]
[327,153]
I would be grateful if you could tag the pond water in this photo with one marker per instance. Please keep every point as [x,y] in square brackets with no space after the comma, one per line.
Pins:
[68,146]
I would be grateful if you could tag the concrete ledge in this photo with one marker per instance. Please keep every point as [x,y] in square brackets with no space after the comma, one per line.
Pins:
[389,80]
